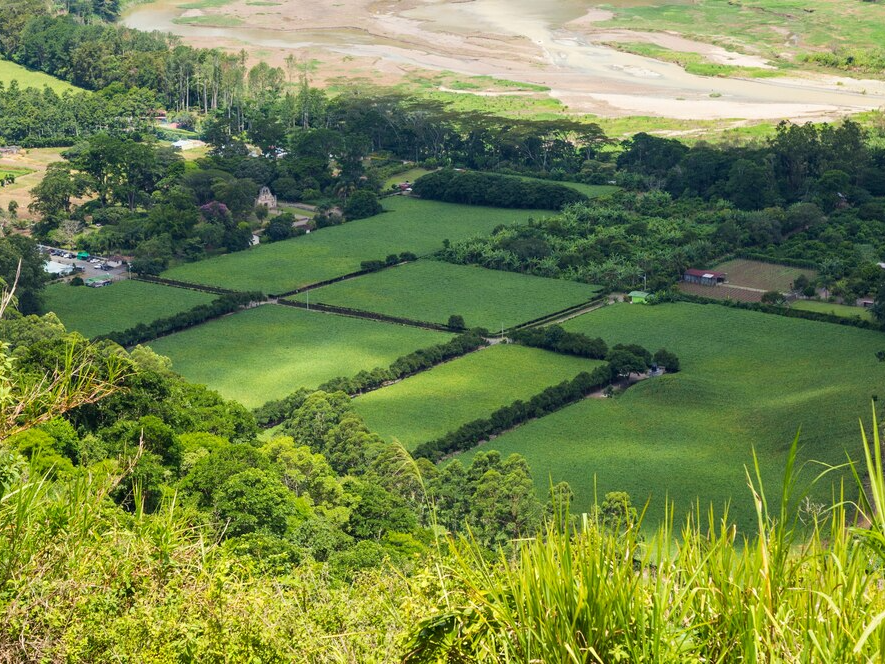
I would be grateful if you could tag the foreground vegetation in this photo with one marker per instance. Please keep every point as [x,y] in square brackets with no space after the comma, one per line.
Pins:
[118,307]
[267,352]
[462,390]
[432,291]
[748,380]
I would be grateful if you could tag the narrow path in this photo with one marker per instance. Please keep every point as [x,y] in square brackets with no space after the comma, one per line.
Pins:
[577,312]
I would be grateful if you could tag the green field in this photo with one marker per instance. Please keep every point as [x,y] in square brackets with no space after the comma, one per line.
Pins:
[431,291]
[748,379]
[763,24]
[830,308]
[406,176]
[432,403]
[408,225]
[270,351]
[114,308]
[9,71]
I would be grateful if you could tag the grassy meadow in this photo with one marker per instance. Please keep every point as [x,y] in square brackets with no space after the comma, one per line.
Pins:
[114,308]
[432,403]
[842,310]
[748,380]
[408,224]
[431,291]
[270,351]
[764,25]
[10,71]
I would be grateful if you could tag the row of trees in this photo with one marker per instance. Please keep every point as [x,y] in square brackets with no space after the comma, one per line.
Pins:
[495,190]
[143,332]
[276,411]
[548,401]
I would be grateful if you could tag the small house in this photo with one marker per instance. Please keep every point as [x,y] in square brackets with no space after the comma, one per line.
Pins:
[704,277]
[866,302]
[116,261]
[267,199]
[638,297]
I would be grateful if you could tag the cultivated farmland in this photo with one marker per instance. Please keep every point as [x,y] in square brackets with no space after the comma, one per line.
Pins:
[749,380]
[430,404]
[114,308]
[431,291]
[270,351]
[407,225]
[764,276]
[722,292]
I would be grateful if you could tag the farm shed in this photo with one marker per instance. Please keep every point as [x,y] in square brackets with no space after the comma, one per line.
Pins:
[98,282]
[638,297]
[704,277]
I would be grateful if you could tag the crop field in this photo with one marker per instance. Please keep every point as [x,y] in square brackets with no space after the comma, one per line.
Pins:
[114,308]
[748,380]
[721,292]
[431,291]
[270,351]
[10,71]
[767,276]
[842,310]
[407,225]
[430,404]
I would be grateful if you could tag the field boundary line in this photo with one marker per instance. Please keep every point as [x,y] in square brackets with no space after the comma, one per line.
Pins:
[368,315]
[562,315]
[216,290]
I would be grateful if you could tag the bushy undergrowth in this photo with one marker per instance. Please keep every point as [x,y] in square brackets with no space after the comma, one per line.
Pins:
[800,590]
[83,581]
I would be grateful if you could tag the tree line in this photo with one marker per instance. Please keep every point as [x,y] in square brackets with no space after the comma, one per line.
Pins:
[506,191]
[274,412]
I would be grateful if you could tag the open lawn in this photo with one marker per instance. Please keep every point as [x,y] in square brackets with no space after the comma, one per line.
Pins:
[430,404]
[766,276]
[9,72]
[842,310]
[270,351]
[114,308]
[408,224]
[749,380]
[431,291]
[407,176]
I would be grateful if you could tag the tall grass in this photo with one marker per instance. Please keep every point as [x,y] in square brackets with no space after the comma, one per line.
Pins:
[794,592]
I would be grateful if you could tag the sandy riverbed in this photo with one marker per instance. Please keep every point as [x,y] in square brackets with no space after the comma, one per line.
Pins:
[557,44]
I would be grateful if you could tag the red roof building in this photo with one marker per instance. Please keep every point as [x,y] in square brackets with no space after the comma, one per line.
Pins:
[704,277]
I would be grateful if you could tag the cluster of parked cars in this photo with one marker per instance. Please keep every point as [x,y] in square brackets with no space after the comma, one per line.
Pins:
[97,261]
